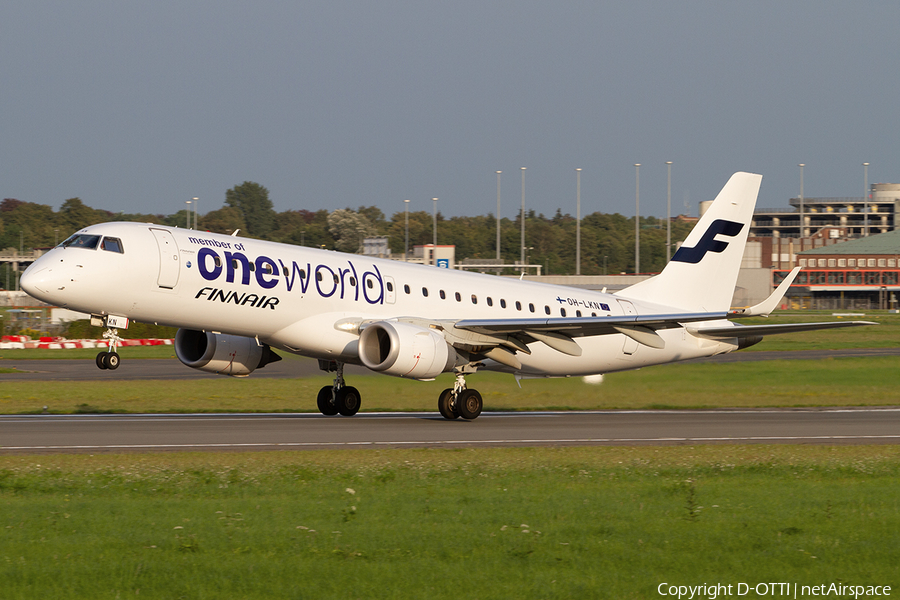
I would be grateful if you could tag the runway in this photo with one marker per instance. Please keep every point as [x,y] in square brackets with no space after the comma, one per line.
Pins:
[243,432]
[67,369]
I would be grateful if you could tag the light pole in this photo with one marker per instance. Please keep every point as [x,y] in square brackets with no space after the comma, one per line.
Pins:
[434,231]
[196,204]
[406,247]
[637,218]
[522,245]
[669,212]
[802,223]
[866,199]
[188,204]
[578,221]
[498,215]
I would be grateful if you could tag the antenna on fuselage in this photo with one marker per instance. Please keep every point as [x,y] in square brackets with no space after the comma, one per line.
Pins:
[235,233]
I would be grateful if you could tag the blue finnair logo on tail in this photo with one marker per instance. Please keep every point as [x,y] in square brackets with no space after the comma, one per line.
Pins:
[708,243]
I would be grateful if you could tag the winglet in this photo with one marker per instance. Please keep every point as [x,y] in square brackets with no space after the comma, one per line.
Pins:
[766,307]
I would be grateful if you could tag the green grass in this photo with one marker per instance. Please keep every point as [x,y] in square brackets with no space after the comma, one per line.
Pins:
[827,382]
[498,523]
[884,335]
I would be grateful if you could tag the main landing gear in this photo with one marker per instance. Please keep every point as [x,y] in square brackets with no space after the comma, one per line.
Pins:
[340,398]
[337,398]
[460,401]
[110,358]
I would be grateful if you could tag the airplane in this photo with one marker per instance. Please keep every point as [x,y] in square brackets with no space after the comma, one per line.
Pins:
[236,300]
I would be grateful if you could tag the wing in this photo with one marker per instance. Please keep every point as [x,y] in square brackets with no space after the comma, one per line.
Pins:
[559,333]
[503,337]
[737,330]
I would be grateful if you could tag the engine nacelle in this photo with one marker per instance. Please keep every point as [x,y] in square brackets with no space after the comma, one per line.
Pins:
[220,353]
[405,350]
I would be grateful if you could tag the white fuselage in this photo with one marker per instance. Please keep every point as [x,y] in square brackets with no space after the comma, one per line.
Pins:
[293,297]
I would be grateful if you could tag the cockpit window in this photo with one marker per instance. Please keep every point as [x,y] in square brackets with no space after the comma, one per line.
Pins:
[82,240]
[112,245]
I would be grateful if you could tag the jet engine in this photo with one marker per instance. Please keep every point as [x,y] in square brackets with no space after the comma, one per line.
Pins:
[405,350]
[219,353]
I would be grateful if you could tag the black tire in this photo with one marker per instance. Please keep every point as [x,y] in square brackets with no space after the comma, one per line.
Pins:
[324,402]
[111,360]
[446,405]
[469,404]
[348,401]
[101,360]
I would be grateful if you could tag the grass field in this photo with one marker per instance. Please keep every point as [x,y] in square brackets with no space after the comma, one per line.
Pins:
[498,523]
[828,382]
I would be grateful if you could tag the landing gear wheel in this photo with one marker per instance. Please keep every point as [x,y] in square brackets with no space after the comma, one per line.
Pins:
[324,402]
[446,405]
[101,360]
[347,400]
[469,404]
[111,361]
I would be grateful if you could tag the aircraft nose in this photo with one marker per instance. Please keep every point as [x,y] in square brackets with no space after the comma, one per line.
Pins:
[32,280]
[40,281]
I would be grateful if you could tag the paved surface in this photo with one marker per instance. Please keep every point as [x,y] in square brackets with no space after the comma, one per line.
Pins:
[89,433]
[85,370]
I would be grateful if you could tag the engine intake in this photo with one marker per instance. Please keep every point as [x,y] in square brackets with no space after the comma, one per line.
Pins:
[220,353]
[405,350]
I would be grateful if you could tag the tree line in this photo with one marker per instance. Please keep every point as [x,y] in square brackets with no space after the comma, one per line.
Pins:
[607,240]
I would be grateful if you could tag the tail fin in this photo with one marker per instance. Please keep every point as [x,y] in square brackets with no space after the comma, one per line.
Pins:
[703,272]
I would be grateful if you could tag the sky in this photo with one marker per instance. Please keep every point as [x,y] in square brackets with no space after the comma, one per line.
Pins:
[139,106]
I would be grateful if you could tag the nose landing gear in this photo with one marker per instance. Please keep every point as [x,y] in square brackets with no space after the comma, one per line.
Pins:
[110,359]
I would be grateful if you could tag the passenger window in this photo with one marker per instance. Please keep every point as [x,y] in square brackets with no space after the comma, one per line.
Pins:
[577,313]
[518,305]
[406,288]
[353,282]
[502,303]
[474,299]
[318,275]
[217,261]
[112,244]
[370,285]
[489,301]
[284,270]
[562,311]
[546,309]
[443,295]
[390,286]
[531,307]
[425,292]
[253,268]
[458,297]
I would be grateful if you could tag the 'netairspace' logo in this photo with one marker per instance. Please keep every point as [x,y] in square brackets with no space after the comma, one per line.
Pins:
[777,589]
